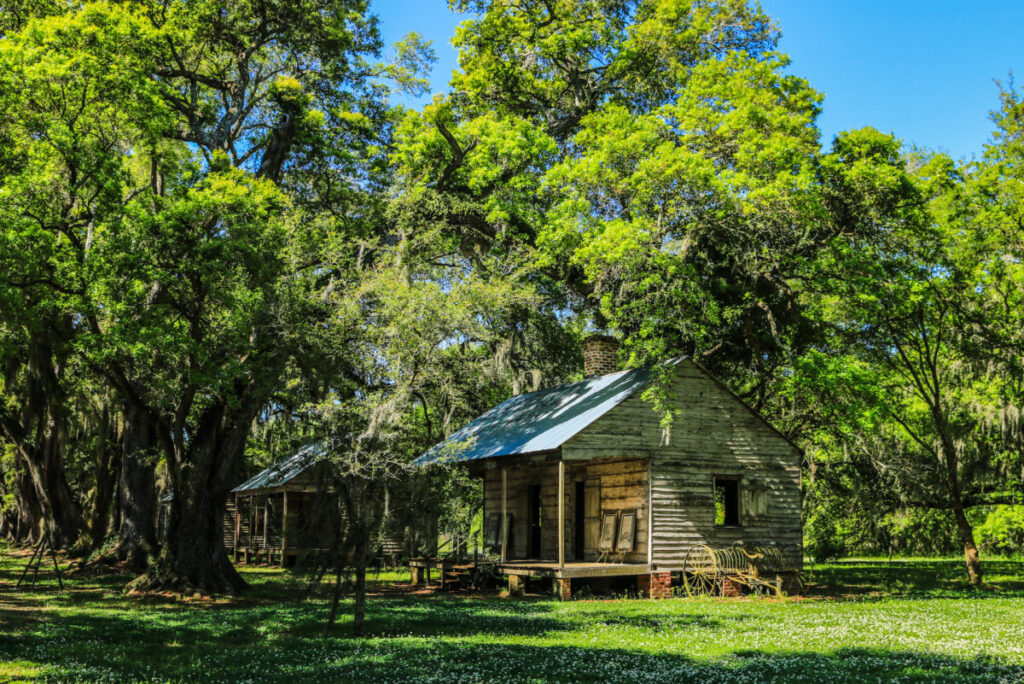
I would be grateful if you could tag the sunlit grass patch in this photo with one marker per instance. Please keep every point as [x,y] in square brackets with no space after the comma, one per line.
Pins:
[19,670]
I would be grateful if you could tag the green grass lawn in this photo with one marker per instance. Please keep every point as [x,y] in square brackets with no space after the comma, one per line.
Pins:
[912,620]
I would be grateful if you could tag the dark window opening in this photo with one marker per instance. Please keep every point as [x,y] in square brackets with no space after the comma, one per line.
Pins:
[534,520]
[727,502]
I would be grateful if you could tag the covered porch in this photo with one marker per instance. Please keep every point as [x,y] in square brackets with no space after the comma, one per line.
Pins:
[546,517]
[263,525]
[424,569]
[268,509]
[547,511]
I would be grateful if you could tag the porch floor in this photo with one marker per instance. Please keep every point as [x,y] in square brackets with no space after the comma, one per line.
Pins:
[528,567]
[543,568]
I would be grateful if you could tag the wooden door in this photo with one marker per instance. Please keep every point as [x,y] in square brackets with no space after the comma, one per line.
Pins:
[591,517]
[579,521]
[533,522]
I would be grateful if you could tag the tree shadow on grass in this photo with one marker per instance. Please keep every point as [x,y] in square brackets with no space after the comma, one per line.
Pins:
[512,663]
[668,623]
[419,660]
[453,618]
[140,622]
[416,639]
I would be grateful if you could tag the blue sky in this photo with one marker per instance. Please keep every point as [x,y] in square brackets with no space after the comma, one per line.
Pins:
[922,70]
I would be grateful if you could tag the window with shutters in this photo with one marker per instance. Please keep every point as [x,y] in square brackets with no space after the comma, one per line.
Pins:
[753,502]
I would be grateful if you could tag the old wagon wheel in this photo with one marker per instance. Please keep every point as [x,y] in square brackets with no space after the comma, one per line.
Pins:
[700,575]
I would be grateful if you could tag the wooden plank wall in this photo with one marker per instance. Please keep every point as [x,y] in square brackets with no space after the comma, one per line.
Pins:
[622,485]
[713,435]
[229,524]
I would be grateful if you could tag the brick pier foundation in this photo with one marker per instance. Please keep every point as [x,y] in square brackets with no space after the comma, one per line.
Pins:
[657,585]
[731,587]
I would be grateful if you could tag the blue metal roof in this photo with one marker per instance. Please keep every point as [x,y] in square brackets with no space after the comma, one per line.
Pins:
[538,421]
[283,471]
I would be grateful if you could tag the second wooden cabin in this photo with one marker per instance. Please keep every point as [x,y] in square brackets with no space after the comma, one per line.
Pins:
[272,515]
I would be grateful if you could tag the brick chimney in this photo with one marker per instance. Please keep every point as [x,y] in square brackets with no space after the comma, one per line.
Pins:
[600,355]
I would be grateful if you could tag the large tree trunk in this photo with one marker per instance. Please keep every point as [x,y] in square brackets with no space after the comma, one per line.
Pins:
[137,504]
[105,467]
[359,600]
[194,558]
[60,512]
[67,513]
[26,527]
[963,526]
[40,436]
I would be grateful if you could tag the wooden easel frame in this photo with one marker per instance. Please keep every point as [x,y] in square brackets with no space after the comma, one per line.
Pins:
[36,562]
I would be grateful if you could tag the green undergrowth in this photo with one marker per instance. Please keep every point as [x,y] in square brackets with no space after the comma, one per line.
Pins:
[912,620]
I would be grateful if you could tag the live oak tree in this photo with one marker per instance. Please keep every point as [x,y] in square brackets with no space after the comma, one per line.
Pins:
[180,247]
[653,158]
[692,219]
[62,128]
[907,385]
[255,90]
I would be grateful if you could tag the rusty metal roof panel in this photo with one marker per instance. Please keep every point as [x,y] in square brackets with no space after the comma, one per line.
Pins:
[538,421]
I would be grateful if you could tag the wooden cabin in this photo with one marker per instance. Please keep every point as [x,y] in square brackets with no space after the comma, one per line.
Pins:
[582,481]
[270,517]
[267,510]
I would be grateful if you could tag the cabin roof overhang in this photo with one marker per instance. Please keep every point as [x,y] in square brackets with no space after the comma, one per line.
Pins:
[539,422]
[534,458]
[277,477]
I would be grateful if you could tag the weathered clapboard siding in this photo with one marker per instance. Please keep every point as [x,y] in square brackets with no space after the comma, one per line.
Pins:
[622,486]
[713,435]
[228,524]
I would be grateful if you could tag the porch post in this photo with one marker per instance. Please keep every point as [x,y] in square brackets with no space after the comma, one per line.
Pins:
[561,514]
[266,527]
[650,514]
[238,525]
[250,553]
[284,526]
[504,515]
[252,528]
